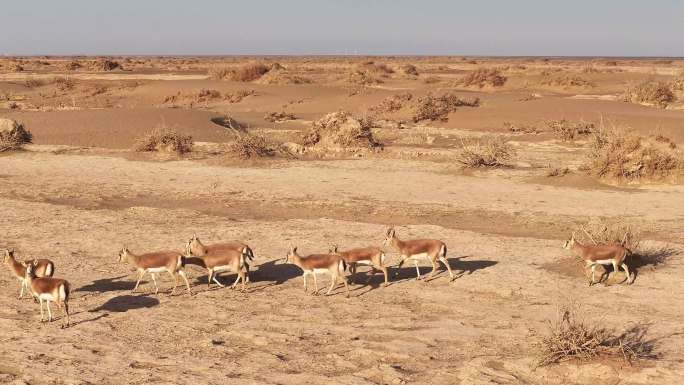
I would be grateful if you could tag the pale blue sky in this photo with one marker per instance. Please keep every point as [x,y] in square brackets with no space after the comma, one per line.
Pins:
[380,27]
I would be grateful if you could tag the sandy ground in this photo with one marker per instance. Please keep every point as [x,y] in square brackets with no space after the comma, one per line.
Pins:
[78,195]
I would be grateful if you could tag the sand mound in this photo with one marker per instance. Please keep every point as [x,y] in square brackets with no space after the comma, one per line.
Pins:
[341,129]
[13,135]
[279,76]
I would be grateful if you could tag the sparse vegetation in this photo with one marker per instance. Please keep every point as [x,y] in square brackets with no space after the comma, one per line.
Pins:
[409,69]
[657,94]
[566,81]
[608,232]
[572,337]
[623,155]
[280,116]
[557,171]
[248,72]
[109,65]
[248,146]
[164,139]
[341,129]
[566,130]
[13,135]
[482,77]
[437,108]
[517,128]
[392,103]
[493,152]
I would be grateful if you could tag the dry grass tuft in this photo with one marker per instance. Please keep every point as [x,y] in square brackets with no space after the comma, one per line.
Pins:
[392,103]
[409,69]
[13,135]
[482,77]
[280,116]
[109,65]
[437,108]
[624,155]
[248,146]
[72,65]
[571,337]
[557,171]
[282,77]
[485,153]
[249,72]
[341,129]
[566,81]
[517,128]
[657,94]
[218,72]
[164,139]
[567,130]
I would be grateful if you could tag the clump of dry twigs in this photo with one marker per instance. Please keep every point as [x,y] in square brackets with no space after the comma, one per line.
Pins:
[567,130]
[13,135]
[570,336]
[485,153]
[248,146]
[482,77]
[438,108]
[653,93]
[164,139]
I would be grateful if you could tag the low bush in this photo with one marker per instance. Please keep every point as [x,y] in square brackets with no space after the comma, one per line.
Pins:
[341,129]
[482,77]
[248,146]
[164,139]
[437,108]
[657,94]
[485,153]
[566,130]
[13,135]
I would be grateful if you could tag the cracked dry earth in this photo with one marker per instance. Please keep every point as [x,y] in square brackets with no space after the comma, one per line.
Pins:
[503,234]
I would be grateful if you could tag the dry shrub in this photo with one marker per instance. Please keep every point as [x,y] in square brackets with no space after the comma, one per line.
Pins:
[281,116]
[218,72]
[15,67]
[493,152]
[248,72]
[431,107]
[281,77]
[567,130]
[482,77]
[409,69]
[64,83]
[621,154]
[72,65]
[252,146]
[677,84]
[566,81]
[164,139]
[34,83]
[572,337]
[658,94]
[341,129]
[392,103]
[557,171]
[608,232]
[376,68]
[363,78]
[109,65]
[13,135]
[238,96]
[521,128]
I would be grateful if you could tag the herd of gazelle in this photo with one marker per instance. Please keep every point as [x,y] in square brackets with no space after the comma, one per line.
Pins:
[36,275]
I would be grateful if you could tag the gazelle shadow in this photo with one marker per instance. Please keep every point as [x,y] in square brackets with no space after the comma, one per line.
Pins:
[278,273]
[458,265]
[108,284]
[124,303]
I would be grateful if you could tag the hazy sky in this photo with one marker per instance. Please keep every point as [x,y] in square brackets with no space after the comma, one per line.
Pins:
[505,27]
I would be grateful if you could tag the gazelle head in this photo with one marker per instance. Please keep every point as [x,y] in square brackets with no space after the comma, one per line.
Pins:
[9,254]
[333,249]
[29,271]
[192,247]
[123,254]
[389,235]
[290,254]
[570,242]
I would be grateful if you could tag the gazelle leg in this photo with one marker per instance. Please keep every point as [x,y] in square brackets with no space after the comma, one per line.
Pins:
[629,276]
[304,279]
[215,278]
[315,283]
[21,291]
[401,263]
[237,279]
[371,274]
[185,278]
[141,274]
[434,268]
[446,263]
[42,315]
[210,275]
[47,302]
[333,281]
[154,280]
[417,270]
[384,271]
[593,274]
[66,314]
[175,281]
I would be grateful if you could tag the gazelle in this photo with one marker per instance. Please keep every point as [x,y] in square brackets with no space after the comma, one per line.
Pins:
[49,290]
[417,249]
[41,268]
[313,264]
[372,256]
[600,255]
[157,262]
[220,257]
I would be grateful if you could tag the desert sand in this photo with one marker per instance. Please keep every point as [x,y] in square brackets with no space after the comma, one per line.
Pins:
[79,192]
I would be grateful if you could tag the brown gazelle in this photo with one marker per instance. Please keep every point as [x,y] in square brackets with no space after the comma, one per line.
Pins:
[157,262]
[330,263]
[49,290]
[372,256]
[600,255]
[41,268]
[417,249]
[220,257]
